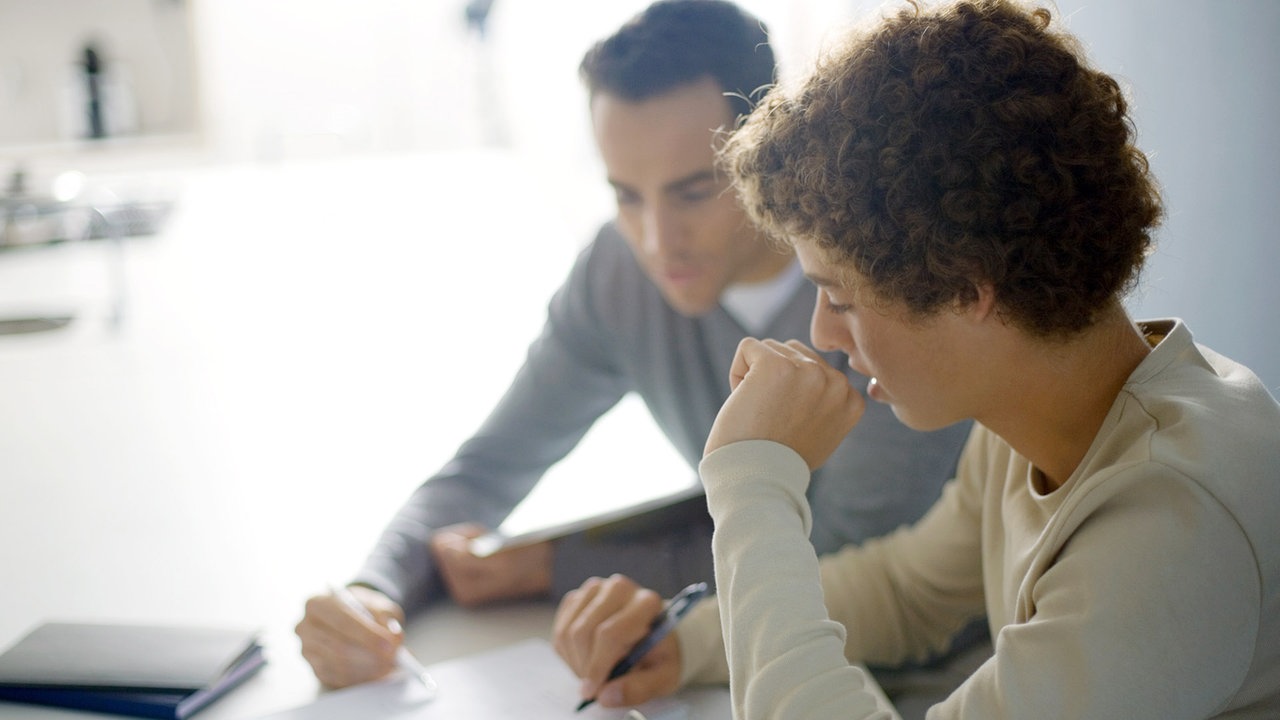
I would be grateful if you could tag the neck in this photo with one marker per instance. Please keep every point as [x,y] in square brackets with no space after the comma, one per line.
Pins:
[1061,391]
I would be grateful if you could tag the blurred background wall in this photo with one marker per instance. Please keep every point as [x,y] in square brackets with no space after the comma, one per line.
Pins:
[247,81]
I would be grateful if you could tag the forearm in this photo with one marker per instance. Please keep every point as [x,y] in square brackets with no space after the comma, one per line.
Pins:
[549,406]
[786,657]
[400,565]
[903,597]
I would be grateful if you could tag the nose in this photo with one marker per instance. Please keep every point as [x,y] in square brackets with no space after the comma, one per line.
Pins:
[660,232]
[827,330]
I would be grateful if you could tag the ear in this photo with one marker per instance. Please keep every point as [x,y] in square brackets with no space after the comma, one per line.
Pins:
[984,307]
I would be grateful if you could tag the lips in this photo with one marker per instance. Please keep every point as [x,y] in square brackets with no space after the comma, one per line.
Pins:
[680,276]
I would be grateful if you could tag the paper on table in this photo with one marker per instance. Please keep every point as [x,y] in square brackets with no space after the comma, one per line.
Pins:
[524,681]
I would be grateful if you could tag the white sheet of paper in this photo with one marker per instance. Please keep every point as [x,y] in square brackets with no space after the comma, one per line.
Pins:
[524,681]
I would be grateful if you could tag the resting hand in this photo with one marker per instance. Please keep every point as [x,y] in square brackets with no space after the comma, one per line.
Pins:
[342,645]
[516,573]
[598,624]
[787,393]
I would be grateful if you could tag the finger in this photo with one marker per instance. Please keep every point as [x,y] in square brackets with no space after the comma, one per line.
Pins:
[386,612]
[809,352]
[452,552]
[450,547]
[336,661]
[340,667]
[567,613]
[466,530]
[657,675]
[572,603]
[766,353]
[349,626]
[620,616]
[469,579]
[796,353]
[584,631]
[331,660]
[457,537]
[751,351]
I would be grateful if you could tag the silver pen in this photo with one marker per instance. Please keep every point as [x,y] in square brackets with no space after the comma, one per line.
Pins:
[404,659]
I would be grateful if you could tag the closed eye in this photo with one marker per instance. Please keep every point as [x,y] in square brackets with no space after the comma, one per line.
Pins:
[830,305]
[625,197]
[693,196]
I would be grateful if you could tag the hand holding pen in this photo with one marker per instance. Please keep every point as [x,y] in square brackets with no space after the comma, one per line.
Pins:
[405,660]
[608,618]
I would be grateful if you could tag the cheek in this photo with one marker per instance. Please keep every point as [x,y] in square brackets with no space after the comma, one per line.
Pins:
[912,366]
[875,348]
[721,222]
[632,232]
[627,224]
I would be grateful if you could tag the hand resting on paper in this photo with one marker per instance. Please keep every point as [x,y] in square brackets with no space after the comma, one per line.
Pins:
[343,646]
[519,572]
[597,624]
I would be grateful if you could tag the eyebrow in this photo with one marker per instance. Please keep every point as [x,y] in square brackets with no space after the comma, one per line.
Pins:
[822,282]
[677,185]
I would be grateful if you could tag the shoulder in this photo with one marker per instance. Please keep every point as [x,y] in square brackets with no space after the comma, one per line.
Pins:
[608,249]
[1190,413]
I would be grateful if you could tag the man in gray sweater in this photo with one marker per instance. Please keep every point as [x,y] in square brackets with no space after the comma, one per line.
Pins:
[656,305]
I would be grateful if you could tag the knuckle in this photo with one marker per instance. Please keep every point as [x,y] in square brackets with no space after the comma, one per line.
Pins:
[618,581]
[611,633]
[648,598]
[580,633]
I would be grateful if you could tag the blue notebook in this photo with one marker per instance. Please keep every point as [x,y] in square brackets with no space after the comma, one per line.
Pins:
[135,670]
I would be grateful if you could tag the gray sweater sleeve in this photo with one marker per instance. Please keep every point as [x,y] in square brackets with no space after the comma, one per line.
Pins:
[610,332]
[568,380]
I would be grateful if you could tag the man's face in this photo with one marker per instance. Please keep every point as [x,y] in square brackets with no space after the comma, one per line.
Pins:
[679,216]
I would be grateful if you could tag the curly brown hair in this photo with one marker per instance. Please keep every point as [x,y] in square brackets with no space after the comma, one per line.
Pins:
[962,145]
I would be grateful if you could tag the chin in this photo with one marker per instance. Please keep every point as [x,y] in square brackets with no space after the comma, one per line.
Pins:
[916,422]
[690,306]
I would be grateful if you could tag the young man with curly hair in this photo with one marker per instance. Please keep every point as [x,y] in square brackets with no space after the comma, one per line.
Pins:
[656,304]
[964,190]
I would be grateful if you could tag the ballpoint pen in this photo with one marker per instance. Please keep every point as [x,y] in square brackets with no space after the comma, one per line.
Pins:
[404,659]
[661,627]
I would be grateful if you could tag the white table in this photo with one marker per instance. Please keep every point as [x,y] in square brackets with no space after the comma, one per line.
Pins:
[302,347]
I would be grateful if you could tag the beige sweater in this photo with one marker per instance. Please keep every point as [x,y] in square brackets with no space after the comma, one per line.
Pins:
[1147,586]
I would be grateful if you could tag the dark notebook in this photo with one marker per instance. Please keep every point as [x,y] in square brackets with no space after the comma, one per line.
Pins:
[139,670]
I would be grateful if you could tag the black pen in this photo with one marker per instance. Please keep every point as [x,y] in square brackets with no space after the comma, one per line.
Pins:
[661,627]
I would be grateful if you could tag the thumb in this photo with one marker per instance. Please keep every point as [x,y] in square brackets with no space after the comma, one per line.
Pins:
[638,686]
[467,530]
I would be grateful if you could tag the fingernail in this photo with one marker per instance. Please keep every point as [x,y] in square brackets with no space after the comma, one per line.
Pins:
[611,696]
